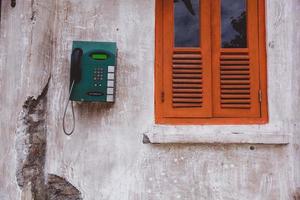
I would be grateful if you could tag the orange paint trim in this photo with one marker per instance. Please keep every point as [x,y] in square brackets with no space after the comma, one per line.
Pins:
[158,89]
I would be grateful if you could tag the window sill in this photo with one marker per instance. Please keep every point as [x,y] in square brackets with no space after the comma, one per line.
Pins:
[155,137]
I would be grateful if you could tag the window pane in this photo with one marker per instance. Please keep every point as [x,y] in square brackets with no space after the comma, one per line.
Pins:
[234,24]
[186,22]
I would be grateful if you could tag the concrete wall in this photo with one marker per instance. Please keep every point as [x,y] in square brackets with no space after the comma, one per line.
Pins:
[105,158]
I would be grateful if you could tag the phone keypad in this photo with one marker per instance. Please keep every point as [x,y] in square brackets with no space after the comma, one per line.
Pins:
[98,74]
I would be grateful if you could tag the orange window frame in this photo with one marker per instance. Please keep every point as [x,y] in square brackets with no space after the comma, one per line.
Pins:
[209,115]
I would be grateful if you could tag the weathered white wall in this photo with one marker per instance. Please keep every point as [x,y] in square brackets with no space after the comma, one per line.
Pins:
[105,158]
[25,64]
[295,100]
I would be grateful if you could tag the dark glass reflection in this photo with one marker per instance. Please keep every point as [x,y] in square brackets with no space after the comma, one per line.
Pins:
[234,24]
[186,23]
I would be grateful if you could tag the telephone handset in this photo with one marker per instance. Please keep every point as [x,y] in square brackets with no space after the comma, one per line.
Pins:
[75,77]
[75,65]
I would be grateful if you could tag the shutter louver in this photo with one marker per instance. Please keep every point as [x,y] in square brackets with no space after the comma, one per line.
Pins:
[187,80]
[235,80]
[237,84]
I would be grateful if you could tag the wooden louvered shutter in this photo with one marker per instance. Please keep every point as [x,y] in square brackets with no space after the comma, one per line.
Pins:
[186,71]
[236,82]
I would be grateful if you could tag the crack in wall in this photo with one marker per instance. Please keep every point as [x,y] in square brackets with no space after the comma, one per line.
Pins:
[31,144]
[0,10]
[33,11]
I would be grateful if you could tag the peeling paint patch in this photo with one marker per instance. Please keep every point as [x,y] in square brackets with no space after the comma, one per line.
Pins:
[31,144]
[31,136]
[297,194]
[60,189]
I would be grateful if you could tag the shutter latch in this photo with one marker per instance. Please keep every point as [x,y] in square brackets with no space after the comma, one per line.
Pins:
[162,97]
[260,95]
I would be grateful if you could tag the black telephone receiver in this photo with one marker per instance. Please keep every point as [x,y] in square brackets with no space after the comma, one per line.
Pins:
[75,65]
[74,78]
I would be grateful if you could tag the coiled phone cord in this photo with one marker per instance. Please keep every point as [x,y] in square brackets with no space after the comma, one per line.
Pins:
[73,114]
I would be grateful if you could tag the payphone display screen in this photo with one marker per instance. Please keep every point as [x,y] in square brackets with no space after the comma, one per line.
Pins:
[99,56]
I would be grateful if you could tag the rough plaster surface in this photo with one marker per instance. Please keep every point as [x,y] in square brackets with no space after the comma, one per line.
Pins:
[105,158]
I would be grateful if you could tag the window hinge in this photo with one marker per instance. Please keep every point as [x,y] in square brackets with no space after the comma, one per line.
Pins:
[260,95]
[162,97]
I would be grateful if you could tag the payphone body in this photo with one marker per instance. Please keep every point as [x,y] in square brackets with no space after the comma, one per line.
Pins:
[93,71]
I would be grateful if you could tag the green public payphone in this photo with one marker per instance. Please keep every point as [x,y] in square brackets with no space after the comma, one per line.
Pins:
[92,74]
[93,69]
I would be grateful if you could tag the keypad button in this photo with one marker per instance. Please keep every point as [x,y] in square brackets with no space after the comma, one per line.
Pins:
[110,84]
[111,69]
